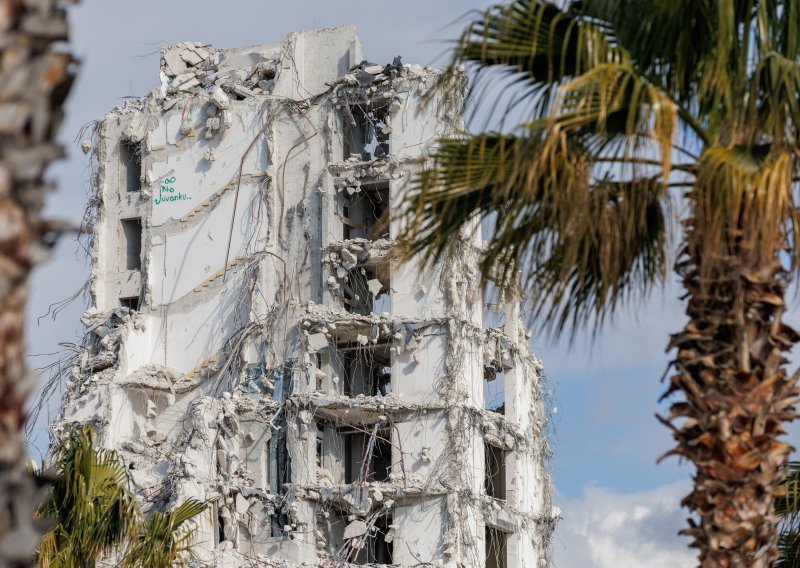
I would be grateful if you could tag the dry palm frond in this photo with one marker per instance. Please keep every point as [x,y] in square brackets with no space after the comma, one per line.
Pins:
[746,189]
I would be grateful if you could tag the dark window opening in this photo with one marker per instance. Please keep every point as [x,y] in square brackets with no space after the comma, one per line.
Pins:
[367,370]
[278,523]
[320,375]
[365,213]
[366,131]
[131,303]
[220,525]
[132,237]
[320,445]
[355,293]
[130,157]
[283,462]
[496,548]
[366,290]
[495,471]
[280,462]
[373,547]
[381,458]
[380,550]
[494,388]
[368,456]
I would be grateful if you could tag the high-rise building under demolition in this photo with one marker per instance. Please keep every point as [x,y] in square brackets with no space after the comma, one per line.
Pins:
[253,343]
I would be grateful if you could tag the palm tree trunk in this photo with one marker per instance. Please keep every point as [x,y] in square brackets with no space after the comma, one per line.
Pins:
[34,81]
[731,369]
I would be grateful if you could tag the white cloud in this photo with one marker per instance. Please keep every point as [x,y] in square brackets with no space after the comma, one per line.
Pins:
[605,529]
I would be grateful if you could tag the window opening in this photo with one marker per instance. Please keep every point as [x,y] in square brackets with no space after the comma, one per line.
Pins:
[355,293]
[131,303]
[366,289]
[367,369]
[494,388]
[320,445]
[132,237]
[365,213]
[496,548]
[280,462]
[353,449]
[319,374]
[382,304]
[368,456]
[382,457]
[380,550]
[130,154]
[375,546]
[495,471]
[366,131]
[283,380]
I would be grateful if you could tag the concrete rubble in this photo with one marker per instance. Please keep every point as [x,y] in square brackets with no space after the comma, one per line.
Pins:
[253,341]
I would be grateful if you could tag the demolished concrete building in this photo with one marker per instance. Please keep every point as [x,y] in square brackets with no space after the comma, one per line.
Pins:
[254,343]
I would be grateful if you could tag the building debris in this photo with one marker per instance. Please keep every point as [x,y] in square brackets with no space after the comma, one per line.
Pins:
[254,343]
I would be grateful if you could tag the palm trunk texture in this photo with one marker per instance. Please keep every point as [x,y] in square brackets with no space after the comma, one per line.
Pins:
[730,367]
[34,82]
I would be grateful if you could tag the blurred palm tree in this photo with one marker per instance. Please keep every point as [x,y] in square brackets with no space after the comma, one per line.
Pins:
[629,109]
[788,507]
[98,515]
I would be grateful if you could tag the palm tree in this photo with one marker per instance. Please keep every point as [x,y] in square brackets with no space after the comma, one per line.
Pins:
[34,81]
[788,507]
[97,515]
[166,538]
[641,117]
[95,510]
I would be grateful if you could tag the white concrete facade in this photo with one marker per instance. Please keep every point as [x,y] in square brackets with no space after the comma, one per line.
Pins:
[254,343]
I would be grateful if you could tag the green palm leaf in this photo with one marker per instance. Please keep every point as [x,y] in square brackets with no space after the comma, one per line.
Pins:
[91,501]
[166,537]
[97,514]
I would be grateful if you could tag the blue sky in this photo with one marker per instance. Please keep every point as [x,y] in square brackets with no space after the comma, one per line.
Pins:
[619,507]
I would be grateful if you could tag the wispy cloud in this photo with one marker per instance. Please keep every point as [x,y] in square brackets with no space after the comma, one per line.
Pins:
[607,529]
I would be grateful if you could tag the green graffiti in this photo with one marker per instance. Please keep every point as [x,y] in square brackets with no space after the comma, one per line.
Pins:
[167,193]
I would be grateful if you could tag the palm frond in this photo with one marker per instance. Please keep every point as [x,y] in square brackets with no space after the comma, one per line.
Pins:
[165,538]
[466,179]
[611,101]
[91,502]
[587,243]
[749,191]
[786,29]
[616,251]
[774,100]
[536,44]
[788,507]
[690,48]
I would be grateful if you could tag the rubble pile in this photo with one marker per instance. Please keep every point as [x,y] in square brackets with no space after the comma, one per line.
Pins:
[241,73]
